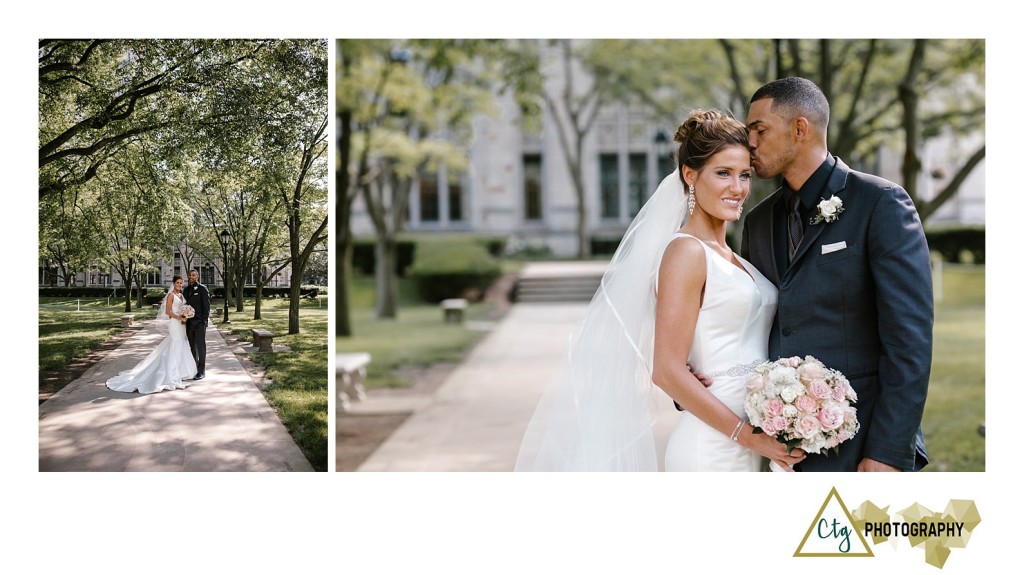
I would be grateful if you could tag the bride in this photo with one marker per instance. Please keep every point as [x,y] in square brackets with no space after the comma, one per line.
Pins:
[171,361]
[672,298]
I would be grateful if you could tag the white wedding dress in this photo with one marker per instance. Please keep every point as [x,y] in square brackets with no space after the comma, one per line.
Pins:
[168,365]
[730,339]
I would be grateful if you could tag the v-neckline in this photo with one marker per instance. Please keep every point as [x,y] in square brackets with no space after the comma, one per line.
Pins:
[740,264]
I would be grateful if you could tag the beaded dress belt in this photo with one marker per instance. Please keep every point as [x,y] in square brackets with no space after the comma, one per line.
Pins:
[735,370]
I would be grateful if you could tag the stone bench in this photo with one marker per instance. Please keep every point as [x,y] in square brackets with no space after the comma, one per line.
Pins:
[263,339]
[126,319]
[453,309]
[351,370]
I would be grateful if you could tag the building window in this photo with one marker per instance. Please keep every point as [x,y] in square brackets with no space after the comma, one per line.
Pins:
[154,278]
[666,164]
[429,199]
[206,275]
[454,201]
[609,186]
[532,187]
[638,187]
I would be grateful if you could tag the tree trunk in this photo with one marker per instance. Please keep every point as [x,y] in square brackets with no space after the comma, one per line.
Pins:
[343,320]
[138,282]
[128,297]
[909,99]
[342,181]
[127,276]
[259,297]
[294,294]
[386,273]
[239,281]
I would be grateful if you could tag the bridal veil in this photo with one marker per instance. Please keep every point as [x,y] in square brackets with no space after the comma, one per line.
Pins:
[598,412]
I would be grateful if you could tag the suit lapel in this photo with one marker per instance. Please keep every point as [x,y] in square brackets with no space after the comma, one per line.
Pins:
[835,186]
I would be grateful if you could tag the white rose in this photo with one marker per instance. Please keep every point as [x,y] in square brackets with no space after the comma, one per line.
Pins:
[790,411]
[782,375]
[790,393]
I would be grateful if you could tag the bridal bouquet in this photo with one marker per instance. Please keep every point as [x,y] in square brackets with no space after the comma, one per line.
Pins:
[187,311]
[802,403]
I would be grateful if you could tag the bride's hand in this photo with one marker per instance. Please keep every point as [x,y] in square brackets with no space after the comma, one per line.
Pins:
[767,446]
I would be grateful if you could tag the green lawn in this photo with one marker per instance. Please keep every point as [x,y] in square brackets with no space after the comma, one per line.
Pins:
[417,338]
[956,395]
[70,328]
[299,389]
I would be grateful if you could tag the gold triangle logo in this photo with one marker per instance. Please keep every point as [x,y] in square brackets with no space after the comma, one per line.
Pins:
[831,533]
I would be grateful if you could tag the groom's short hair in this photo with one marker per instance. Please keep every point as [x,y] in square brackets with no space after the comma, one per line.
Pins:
[792,97]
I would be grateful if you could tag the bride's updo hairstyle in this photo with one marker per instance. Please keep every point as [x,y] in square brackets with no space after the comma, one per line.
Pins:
[703,134]
[176,278]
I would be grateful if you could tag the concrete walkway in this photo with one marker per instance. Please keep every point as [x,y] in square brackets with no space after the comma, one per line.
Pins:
[221,423]
[476,420]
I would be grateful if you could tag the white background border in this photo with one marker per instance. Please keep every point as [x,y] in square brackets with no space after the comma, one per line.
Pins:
[468,522]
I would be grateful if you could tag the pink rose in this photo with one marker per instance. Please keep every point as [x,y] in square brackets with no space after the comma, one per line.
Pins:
[843,435]
[832,442]
[757,382]
[792,361]
[806,403]
[773,407]
[773,425]
[831,416]
[839,392]
[808,426]
[820,389]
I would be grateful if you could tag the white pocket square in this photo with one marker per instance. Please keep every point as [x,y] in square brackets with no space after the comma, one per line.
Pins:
[829,248]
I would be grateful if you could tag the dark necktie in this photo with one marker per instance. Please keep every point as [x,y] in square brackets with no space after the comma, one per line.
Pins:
[796,226]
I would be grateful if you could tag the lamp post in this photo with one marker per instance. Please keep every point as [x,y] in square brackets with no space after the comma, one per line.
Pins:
[224,235]
[663,151]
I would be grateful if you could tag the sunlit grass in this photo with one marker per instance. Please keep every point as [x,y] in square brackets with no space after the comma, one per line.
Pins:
[956,394]
[418,338]
[71,328]
[299,389]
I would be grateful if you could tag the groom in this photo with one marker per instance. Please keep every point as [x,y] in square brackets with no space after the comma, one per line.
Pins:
[197,296]
[854,283]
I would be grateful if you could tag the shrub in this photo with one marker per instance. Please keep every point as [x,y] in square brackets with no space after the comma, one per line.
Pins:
[958,244]
[364,258]
[446,269]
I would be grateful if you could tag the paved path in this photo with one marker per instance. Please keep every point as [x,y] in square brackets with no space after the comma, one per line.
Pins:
[476,420]
[221,423]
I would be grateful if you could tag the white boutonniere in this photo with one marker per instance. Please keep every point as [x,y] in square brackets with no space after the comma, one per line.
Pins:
[828,210]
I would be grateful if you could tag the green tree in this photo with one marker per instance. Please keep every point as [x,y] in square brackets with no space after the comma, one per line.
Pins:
[896,94]
[95,95]
[404,109]
[136,213]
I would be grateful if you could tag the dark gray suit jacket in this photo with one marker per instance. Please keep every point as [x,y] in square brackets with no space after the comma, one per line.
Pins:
[863,307]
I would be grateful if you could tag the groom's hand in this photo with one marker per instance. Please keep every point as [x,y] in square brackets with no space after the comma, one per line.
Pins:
[702,378]
[872,465]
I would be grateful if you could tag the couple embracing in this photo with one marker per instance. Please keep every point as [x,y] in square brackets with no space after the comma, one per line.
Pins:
[833,264]
[180,358]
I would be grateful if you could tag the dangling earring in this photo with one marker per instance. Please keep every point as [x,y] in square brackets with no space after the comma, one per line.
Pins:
[740,209]
[690,202]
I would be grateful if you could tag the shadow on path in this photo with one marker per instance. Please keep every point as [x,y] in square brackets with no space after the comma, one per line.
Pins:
[221,423]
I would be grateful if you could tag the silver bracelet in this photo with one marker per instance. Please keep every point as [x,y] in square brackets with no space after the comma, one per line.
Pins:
[736,431]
